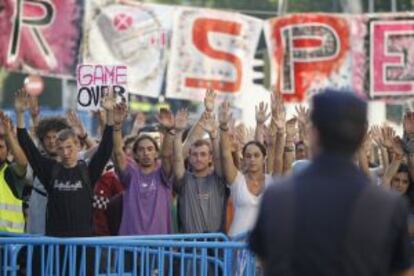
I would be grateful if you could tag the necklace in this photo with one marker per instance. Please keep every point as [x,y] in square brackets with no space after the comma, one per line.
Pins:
[255,186]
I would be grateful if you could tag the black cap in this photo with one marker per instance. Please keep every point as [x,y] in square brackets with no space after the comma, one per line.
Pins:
[341,120]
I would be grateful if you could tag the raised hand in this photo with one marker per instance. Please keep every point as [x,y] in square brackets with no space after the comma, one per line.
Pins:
[120,113]
[166,119]
[140,120]
[6,122]
[76,124]
[280,119]
[278,109]
[241,133]
[181,120]
[397,147]
[261,113]
[366,143]
[21,101]
[408,123]
[388,134]
[291,129]
[236,144]
[209,100]
[224,115]
[209,124]
[34,106]
[376,135]
[108,100]
[302,114]
[269,136]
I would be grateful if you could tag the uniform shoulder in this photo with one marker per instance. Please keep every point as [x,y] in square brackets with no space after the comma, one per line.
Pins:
[280,185]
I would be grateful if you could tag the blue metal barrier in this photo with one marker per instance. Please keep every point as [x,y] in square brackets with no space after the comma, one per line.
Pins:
[193,254]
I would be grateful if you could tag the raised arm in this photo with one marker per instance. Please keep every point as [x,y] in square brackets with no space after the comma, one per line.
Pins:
[408,124]
[279,120]
[34,114]
[397,156]
[167,123]
[40,164]
[270,139]
[303,117]
[139,122]
[103,153]
[119,156]
[377,137]
[18,154]
[261,117]
[196,132]
[229,169]
[209,124]
[363,161]
[181,121]
[79,129]
[289,154]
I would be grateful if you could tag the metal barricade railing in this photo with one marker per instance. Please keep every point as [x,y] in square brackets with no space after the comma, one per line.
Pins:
[192,254]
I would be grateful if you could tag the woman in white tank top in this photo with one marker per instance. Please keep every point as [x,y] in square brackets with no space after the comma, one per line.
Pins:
[246,188]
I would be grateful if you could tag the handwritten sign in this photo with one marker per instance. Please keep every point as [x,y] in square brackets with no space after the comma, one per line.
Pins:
[95,80]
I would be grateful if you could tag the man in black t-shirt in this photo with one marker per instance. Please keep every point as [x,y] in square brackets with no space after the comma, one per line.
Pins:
[329,219]
[69,182]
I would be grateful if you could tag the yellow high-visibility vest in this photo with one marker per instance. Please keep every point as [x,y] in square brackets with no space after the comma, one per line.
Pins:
[11,208]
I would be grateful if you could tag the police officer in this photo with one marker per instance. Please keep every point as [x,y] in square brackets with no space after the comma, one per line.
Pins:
[329,219]
[11,180]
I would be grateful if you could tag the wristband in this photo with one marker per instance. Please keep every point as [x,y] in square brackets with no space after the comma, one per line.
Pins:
[224,127]
[83,138]
[289,149]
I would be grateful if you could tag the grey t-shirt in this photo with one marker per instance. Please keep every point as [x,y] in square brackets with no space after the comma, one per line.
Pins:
[201,203]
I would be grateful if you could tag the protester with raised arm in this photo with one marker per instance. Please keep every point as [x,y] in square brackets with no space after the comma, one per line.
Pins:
[11,179]
[147,188]
[247,187]
[201,189]
[45,131]
[69,182]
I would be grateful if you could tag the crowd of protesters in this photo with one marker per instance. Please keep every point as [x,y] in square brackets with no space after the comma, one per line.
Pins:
[58,180]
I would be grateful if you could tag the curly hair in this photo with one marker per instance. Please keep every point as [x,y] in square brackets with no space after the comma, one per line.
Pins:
[53,123]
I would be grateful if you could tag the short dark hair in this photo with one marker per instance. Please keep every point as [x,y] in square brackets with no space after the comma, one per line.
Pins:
[66,134]
[130,139]
[257,144]
[340,119]
[52,123]
[299,143]
[145,137]
[200,143]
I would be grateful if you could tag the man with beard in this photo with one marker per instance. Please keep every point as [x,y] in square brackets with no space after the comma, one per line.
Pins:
[201,189]
[147,190]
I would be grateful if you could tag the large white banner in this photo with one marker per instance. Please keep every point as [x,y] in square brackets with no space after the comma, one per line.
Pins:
[136,35]
[211,49]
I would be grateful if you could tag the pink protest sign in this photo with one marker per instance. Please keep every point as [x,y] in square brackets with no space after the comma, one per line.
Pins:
[95,80]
